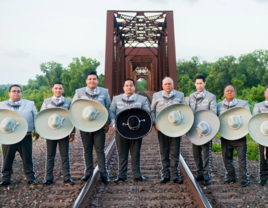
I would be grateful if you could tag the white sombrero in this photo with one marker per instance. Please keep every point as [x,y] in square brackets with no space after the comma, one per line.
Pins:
[175,120]
[88,115]
[53,123]
[13,127]
[234,123]
[205,127]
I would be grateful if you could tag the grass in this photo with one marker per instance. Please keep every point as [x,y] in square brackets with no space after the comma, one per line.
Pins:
[253,153]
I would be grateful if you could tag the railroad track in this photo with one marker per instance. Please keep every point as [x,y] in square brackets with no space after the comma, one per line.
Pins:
[142,194]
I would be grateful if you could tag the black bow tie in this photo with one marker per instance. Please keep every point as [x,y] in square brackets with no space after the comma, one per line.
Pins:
[13,104]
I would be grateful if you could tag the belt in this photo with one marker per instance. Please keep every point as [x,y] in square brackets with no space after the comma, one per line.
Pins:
[28,133]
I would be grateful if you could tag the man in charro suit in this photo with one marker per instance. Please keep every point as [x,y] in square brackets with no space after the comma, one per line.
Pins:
[168,145]
[202,100]
[100,95]
[262,107]
[58,101]
[122,102]
[26,109]
[239,145]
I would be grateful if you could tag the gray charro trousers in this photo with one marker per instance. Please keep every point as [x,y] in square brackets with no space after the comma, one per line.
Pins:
[97,139]
[203,169]
[169,145]
[65,159]
[263,163]
[123,147]
[25,148]
[228,147]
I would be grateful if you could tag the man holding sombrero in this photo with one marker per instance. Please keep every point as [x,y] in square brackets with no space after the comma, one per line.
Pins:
[260,136]
[97,138]
[130,115]
[57,101]
[202,100]
[27,110]
[168,145]
[234,116]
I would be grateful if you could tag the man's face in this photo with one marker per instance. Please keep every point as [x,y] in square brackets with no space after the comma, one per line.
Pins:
[229,93]
[167,85]
[200,85]
[92,81]
[15,94]
[129,88]
[57,90]
[266,94]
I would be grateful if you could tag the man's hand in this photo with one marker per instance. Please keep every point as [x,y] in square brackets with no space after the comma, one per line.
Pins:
[71,137]
[156,127]
[36,136]
[106,128]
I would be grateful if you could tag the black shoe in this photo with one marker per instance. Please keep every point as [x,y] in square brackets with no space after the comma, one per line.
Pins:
[85,177]
[69,181]
[32,182]
[48,182]
[105,180]
[262,182]
[119,179]
[140,178]
[177,180]
[5,183]
[229,180]
[207,182]
[164,180]
[199,178]
[244,183]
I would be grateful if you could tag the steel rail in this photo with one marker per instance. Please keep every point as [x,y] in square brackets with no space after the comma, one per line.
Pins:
[201,200]
[90,184]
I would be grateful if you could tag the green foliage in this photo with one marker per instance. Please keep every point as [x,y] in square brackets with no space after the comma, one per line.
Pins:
[216,148]
[142,84]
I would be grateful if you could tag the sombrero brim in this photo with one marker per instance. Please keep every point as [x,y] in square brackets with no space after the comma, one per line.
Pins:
[79,122]
[127,133]
[209,117]
[254,128]
[20,131]
[42,127]
[230,134]
[175,131]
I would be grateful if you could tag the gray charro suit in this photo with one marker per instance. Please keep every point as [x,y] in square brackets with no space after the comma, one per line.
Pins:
[119,103]
[25,146]
[52,144]
[262,108]
[100,95]
[239,145]
[168,144]
[206,102]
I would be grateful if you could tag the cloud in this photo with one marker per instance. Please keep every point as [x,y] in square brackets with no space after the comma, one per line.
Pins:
[15,53]
[261,1]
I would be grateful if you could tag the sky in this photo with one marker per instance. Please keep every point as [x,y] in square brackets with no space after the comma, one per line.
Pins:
[33,32]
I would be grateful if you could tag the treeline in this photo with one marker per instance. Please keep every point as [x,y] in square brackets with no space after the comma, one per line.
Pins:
[248,73]
[72,77]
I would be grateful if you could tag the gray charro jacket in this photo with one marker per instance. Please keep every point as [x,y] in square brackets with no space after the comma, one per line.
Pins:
[160,102]
[123,102]
[27,110]
[260,108]
[239,103]
[65,103]
[207,103]
[102,97]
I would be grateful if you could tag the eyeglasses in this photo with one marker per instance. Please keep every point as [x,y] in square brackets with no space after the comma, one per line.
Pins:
[14,91]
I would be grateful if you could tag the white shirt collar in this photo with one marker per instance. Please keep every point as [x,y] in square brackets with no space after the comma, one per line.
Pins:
[61,98]
[17,102]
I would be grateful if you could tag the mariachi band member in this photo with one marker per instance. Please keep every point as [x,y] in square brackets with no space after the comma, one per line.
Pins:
[58,101]
[168,145]
[100,95]
[262,108]
[239,145]
[26,109]
[119,103]
[202,100]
